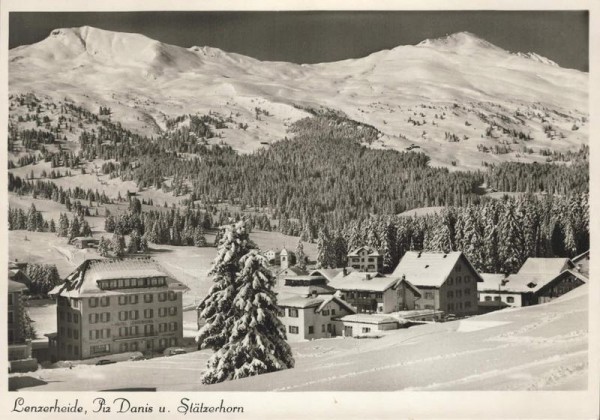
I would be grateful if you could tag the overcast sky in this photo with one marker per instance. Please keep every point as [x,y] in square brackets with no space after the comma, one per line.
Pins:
[312,37]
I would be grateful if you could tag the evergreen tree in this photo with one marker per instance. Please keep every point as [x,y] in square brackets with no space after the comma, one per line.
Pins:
[118,245]
[324,247]
[300,255]
[103,247]
[74,229]
[257,342]
[63,225]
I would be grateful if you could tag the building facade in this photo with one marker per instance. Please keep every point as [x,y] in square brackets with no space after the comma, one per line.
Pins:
[116,306]
[448,282]
[365,259]
[308,318]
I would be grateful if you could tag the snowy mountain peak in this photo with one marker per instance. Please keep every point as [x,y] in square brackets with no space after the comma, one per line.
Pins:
[460,42]
[538,58]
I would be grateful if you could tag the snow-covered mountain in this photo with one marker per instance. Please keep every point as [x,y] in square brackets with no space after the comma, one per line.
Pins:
[454,87]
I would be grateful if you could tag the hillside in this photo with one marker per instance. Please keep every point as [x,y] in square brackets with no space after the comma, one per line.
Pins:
[542,347]
[460,99]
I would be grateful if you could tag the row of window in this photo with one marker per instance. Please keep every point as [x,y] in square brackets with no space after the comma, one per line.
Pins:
[459,306]
[71,349]
[133,299]
[132,283]
[293,312]
[357,295]
[509,299]
[148,313]
[99,334]
[100,349]
[458,280]
[69,316]
[134,330]
[134,346]
[458,293]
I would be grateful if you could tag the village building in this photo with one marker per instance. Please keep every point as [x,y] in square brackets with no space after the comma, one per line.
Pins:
[539,280]
[304,285]
[85,242]
[115,306]
[272,255]
[19,347]
[365,259]
[292,271]
[331,273]
[314,316]
[447,281]
[356,325]
[286,259]
[376,293]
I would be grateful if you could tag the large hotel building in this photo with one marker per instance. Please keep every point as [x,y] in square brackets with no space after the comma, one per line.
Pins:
[117,305]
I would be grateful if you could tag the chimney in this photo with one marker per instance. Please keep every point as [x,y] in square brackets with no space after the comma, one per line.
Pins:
[368,276]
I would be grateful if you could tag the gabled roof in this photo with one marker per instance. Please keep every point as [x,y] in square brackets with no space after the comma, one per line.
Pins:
[328,273]
[370,251]
[296,271]
[527,283]
[492,282]
[373,282]
[83,281]
[583,256]
[544,267]
[14,286]
[318,302]
[430,269]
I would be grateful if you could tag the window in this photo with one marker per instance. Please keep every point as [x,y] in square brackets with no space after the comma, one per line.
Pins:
[510,299]
[292,329]
[450,281]
[123,347]
[107,333]
[123,332]
[133,346]
[428,295]
[76,318]
[172,295]
[122,300]
[75,334]
[488,298]
[102,348]
[133,299]
[148,313]
[366,330]
[133,314]
[497,298]
[332,312]
[459,280]
[293,312]
[311,329]
[104,301]
[94,318]
[93,302]
[134,330]
[325,312]
[148,298]
[162,327]
[173,342]
[149,329]
[113,284]
[91,333]
[162,297]
[328,328]
[173,310]
[123,316]
[162,312]
[105,317]
[323,328]
[172,326]
[450,294]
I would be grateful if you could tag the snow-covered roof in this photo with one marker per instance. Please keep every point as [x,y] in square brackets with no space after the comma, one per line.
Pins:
[364,281]
[524,283]
[328,273]
[14,286]
[429,269]
[371,252]
[375,319]
[84,280]
[544,267]
[492,282]
[314,301]
[292,271]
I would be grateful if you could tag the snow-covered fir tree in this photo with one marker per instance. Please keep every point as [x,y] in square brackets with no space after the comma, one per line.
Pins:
[257,342]
[300,255]
[103,247]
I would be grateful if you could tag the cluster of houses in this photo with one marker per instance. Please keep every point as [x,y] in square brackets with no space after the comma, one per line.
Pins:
[425,286]
[109,306]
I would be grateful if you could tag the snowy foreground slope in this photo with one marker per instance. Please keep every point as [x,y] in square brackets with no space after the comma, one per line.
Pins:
[455,87]
[541,347]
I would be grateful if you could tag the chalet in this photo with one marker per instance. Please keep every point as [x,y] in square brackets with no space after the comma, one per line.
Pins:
[85,242]
[447,281]
[376,293]
[539,280]
[19,348]
[495,288]
[365,259]
[314,316]
[304,285]
[115,306]
[293,271]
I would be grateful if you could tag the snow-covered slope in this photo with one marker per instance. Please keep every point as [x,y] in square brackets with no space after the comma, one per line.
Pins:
[457,85]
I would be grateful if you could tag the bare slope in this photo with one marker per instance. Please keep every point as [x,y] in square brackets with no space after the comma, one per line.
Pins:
[440,94]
